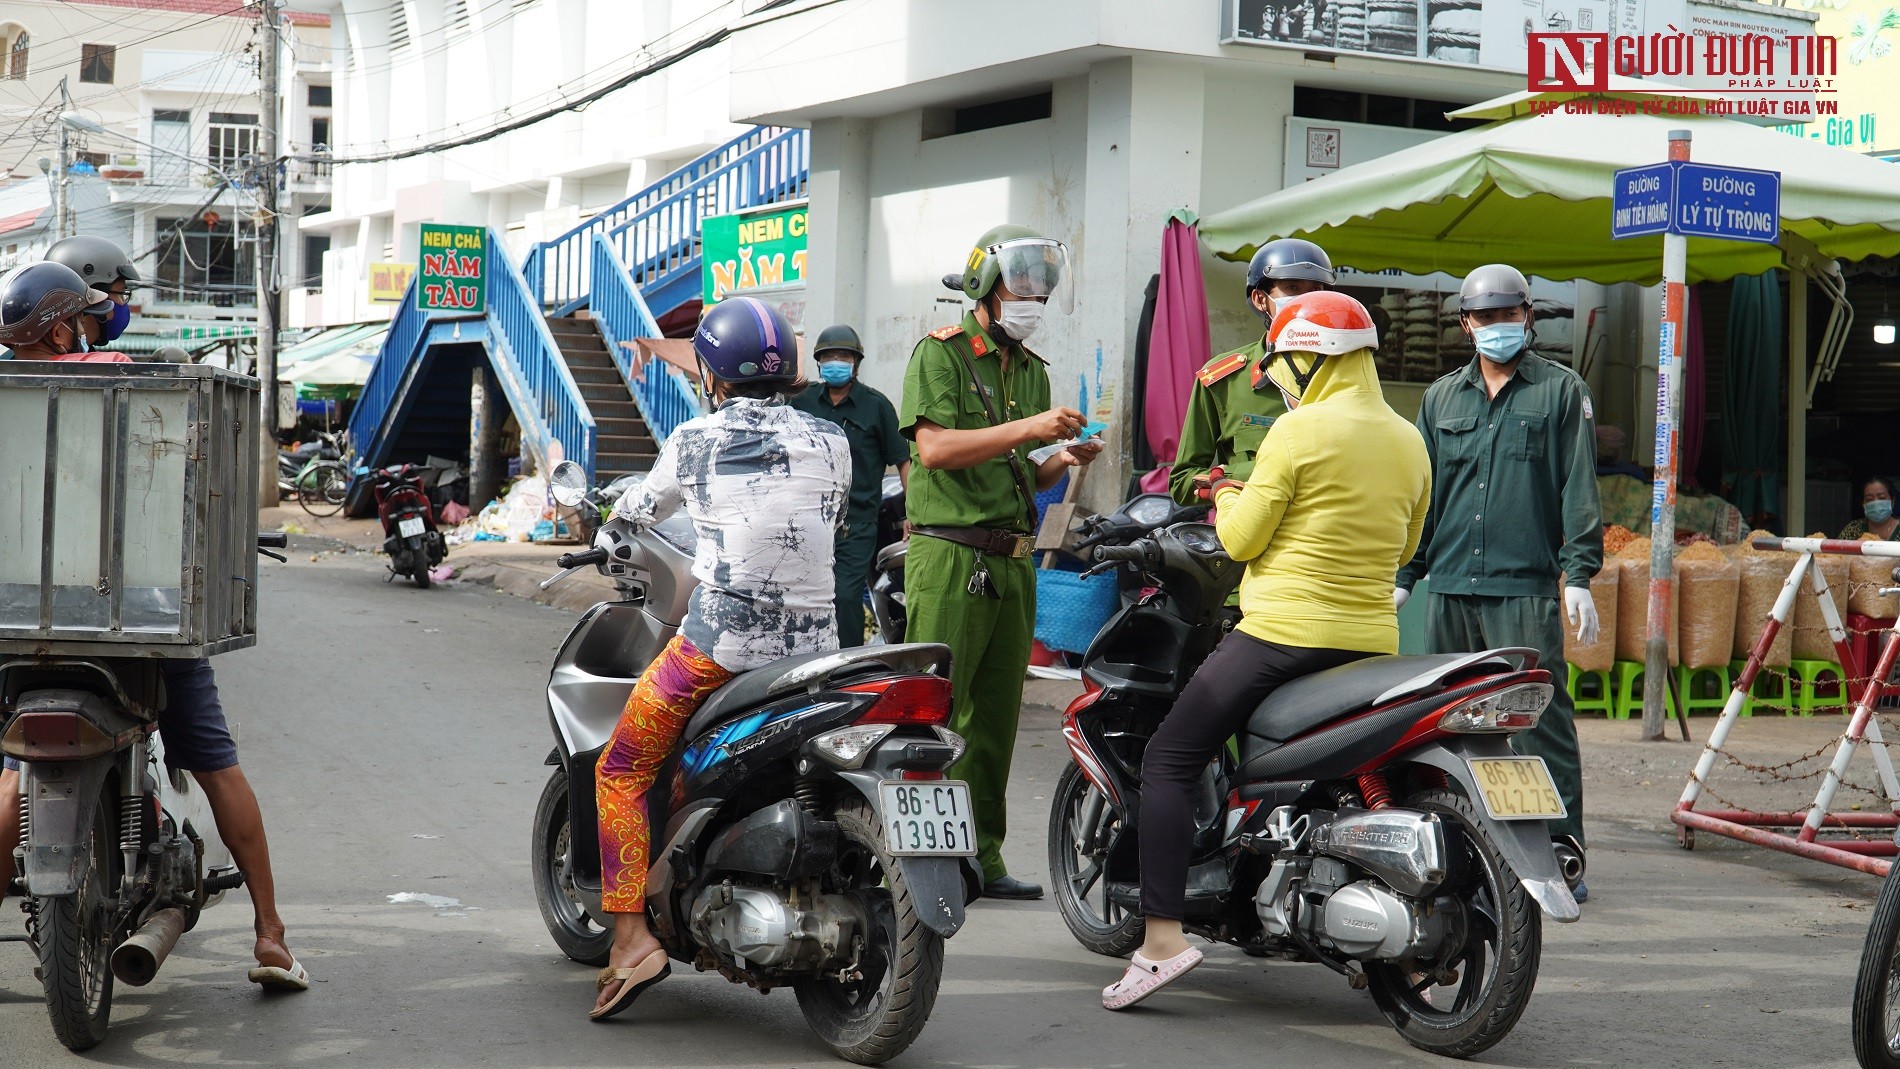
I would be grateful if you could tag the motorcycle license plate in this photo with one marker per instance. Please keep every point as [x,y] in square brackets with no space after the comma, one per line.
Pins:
[928,818]
[410,527]
[1518,788]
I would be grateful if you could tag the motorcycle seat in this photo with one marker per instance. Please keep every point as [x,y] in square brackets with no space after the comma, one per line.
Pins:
[1313,701]
[892,557]
[748,690]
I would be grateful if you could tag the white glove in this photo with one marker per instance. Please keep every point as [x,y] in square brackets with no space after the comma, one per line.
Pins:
[1400,596]
[1581,608]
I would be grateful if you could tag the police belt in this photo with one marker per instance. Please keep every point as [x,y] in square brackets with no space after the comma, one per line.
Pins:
[989,540]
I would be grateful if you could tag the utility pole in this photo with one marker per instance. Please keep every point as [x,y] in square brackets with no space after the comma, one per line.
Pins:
[1662,534]
[65,163]
[265,174]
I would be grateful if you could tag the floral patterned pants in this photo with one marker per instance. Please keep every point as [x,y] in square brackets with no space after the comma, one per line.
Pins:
[677,682]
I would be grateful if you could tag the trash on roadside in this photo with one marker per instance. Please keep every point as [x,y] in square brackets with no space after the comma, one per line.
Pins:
[441,573]
[454,513]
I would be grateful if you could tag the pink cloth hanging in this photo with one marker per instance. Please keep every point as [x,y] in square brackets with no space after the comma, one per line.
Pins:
[1694,396]
[1178,343]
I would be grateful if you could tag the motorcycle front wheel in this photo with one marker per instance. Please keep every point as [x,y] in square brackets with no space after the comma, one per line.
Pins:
[74,934]
[1876,991]
[573,930]
[1083,828]
[1496,968]
[872,1017]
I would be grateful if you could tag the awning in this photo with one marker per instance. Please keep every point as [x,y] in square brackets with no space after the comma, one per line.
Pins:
[211,332]
[348,365]
[325,342]
[1535,192]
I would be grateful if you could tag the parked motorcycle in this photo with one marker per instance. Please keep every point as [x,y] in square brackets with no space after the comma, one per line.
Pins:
[803,832]
[886,589]
[1374,818]
[118,853]
[410,538]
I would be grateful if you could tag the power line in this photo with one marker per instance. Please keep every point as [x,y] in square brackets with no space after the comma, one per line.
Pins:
[617,84]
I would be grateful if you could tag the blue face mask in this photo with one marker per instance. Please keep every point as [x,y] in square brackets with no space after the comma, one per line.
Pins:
[1877,511]
[835,372]
[116,323]
[1499,342]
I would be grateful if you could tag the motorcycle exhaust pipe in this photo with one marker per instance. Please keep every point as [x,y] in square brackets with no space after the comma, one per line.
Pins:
[1569,862]
[138,958]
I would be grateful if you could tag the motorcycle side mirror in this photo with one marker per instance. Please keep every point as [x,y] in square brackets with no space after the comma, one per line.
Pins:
[568,483]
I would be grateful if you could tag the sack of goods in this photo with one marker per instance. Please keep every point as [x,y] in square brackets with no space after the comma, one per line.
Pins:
[1632,605]
[1762,574]
[1710,584]
[1812,642]
[1865,578]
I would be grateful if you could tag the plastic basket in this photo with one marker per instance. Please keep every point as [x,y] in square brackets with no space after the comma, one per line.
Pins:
[1071,609]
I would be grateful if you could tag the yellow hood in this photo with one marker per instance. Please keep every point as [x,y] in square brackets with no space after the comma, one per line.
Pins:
[1338,375]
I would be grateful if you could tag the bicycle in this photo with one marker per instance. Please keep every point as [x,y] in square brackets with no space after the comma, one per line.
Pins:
[324,483]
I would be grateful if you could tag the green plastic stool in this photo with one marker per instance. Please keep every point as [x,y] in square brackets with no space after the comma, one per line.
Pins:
[1809,677]
[1717,697]
[1591,692]
[1629,691]
[1772,688]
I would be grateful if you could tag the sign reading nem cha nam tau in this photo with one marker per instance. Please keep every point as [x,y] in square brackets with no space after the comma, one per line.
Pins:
[758,250]
[454,271]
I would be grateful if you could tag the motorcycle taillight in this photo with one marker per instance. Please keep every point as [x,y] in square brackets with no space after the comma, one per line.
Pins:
[921,700]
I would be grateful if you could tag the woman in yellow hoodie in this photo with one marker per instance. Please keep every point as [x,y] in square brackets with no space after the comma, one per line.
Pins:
[1334,506]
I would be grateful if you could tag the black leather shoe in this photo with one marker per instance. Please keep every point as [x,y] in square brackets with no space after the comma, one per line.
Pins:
[1009,887]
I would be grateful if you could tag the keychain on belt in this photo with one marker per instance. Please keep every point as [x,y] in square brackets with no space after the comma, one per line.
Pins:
[980,582]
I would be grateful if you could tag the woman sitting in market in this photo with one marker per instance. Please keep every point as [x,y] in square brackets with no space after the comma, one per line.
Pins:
[1877,497]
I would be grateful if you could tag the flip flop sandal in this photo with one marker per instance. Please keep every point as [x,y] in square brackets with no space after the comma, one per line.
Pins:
[1145,977]
[632,982]
[272,978]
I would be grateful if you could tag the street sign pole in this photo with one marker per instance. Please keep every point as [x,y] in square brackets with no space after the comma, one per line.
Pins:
[1662,507]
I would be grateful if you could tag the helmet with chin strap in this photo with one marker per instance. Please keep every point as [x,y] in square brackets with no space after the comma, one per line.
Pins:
[37,297]
[1288,258]
[1321,324]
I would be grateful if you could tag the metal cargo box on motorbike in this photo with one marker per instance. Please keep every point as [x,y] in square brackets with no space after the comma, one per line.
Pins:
[130,524]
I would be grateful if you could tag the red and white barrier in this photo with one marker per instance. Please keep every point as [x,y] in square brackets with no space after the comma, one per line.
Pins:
[1862,729]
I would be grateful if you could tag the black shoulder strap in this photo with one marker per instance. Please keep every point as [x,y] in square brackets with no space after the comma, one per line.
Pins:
[989,409]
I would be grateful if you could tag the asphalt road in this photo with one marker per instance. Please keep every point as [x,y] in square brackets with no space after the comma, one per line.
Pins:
[397,738]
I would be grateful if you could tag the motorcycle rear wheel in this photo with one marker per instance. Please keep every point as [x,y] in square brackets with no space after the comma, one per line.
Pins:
[1080,874]
[419,570]
[75,941]
[1497,970]
[573,930]
[1877,987]
[861,1022]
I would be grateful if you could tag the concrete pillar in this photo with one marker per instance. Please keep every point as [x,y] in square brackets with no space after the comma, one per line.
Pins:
[1143,160]
[840,225]
[487,468]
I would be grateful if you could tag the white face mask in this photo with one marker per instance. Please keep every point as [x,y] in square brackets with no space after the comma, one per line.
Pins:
[1019,319]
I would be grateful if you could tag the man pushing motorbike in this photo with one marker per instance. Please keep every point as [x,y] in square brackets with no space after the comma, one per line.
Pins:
[765,486]
[48,311]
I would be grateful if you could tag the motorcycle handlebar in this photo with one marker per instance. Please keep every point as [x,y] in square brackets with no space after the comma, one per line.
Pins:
[272,540]
[1136,552]
[581,559]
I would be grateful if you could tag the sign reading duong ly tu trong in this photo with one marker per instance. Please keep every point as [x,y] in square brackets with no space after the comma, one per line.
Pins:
[454,272]
[755,250]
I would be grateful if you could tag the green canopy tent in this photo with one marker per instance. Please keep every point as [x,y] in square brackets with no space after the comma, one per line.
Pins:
[1535,191]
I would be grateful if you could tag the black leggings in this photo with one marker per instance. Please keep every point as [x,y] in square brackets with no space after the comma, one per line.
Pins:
[1216,704]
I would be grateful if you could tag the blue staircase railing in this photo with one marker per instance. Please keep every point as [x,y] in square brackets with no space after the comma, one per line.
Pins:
[546,401]
[656,232]
[663,395]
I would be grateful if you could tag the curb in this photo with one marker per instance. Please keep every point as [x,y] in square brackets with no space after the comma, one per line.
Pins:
[522,579]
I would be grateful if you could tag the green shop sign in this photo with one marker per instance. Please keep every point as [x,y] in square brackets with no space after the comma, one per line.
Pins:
[752,250]
[454,269]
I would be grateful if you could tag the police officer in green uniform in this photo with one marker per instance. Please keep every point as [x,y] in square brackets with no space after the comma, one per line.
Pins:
[976,401]
[1514,513]
[870,425]
[1228,412]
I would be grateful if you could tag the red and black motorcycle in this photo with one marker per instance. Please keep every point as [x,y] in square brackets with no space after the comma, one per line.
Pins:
[410,538]
[1372,818]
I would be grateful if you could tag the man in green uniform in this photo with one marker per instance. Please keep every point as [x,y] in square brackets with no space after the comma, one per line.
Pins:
[1514,513]
[870,425]
[976,401]
[1228,413]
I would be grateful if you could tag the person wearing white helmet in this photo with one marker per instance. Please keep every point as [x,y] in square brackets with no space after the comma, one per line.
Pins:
[1321,532]
[1515,516]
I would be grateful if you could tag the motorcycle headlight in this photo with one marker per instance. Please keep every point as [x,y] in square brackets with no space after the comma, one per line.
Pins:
[1511,709]
[847,747]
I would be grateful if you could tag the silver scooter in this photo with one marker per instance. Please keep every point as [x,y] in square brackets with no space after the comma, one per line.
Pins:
[803,832]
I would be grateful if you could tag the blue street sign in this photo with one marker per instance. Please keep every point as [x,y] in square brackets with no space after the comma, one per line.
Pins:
[1697,200]
[1642,201]
[1738,203]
